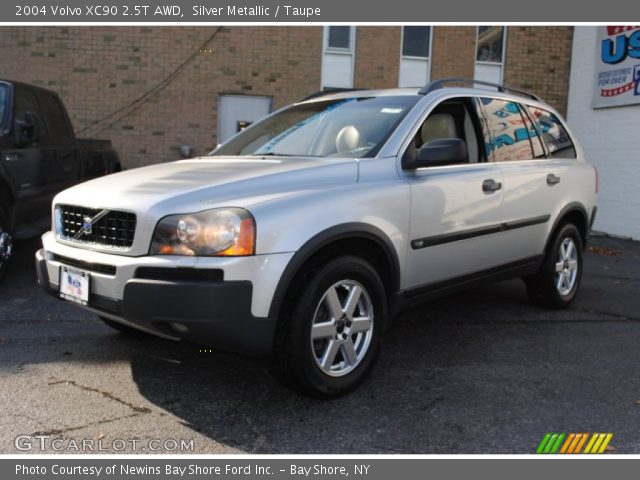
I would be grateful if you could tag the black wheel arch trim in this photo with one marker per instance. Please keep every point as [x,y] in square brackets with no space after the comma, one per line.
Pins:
[344,231]
[567,209]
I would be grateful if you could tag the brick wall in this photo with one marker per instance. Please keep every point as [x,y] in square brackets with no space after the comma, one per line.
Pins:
[377,57]
[539,60]
[101,71]
[453,52]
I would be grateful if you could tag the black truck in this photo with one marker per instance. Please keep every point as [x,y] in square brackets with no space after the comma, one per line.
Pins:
[39,157]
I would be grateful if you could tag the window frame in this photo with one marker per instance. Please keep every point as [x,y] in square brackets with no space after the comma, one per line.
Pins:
[524,108]
[429,46]
[480,128]
[503,56]
[340,50]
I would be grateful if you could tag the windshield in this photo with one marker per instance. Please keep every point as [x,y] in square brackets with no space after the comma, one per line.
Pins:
[348,127]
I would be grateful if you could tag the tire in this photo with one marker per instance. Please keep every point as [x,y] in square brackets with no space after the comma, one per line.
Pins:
[6,249]
[346,345]
[121,327]
[558,281]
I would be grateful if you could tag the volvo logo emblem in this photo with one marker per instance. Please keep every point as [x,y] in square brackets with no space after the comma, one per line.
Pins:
[87,225]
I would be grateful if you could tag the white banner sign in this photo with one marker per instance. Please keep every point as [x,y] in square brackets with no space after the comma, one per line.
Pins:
[617,79]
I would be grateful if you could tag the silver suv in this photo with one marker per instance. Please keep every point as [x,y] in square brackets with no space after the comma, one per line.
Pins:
[305,233]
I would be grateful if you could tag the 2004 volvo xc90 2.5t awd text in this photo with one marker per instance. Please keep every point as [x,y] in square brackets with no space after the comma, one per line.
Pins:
[304,234]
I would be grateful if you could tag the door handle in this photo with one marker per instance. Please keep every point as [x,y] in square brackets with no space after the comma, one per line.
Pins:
[552,179]
[490,185]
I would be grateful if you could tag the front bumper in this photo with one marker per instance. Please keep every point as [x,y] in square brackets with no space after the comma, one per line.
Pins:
[221,311]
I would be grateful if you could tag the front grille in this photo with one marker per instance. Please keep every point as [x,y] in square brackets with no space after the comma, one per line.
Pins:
[88,266]
[111,228]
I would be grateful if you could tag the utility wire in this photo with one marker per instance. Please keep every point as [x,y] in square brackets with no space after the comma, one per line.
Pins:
[134,105]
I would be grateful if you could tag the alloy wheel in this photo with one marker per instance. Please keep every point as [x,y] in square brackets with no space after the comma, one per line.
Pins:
[566,266]
[342,328]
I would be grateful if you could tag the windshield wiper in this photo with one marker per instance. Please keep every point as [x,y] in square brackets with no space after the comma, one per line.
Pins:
[272,154]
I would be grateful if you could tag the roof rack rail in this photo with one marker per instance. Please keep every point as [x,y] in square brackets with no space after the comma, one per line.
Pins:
[329,91]
[436,84]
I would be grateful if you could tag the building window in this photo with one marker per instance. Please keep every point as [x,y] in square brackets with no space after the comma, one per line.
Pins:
[338,57]
[415,56]
[339,37]
[416,41]
[490,53]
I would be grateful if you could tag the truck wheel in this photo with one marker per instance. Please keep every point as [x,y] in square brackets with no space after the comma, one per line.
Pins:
[328,341]
[6,249]
[558,281]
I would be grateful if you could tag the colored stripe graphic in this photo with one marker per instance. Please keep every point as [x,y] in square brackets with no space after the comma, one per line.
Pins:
[554,442]
[550,443]
[598,443]
[581,443]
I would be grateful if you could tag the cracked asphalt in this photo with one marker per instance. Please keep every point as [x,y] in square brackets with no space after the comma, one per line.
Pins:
[482,371]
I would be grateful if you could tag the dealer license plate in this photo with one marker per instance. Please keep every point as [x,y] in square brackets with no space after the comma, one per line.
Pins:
[74,285]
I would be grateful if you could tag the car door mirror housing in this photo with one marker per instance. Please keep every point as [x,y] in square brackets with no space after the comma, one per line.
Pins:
[443,151]
[26,131]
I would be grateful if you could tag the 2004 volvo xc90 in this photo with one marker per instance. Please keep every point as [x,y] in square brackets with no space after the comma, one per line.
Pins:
[302,235]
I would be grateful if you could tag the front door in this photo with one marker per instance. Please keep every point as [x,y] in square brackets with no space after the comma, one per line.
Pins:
[456,209]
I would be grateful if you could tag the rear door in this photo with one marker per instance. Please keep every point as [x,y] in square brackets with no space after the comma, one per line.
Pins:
[531,188]
[455,219]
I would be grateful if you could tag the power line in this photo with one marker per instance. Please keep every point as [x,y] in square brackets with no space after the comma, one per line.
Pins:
[135,104]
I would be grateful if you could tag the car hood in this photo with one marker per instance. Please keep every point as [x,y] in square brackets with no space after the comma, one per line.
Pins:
[181,186]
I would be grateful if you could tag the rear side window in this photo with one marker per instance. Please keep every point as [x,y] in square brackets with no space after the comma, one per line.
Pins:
[553,134]
[56,119]
[534,137]
[25,101]
[511,139]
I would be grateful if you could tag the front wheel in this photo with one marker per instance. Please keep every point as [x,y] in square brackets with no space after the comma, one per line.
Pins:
[6,249]
[328,342]
[558,281]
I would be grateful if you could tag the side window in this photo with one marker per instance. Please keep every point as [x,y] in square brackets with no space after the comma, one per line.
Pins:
[25,101]
[553,134]
[54,114]
[453,118]
[536,141]
[511,139]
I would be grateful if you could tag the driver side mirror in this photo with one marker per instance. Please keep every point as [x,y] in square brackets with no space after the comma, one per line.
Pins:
[26,131]
[440,152]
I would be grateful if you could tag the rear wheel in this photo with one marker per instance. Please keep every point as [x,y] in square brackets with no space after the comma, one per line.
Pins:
[558,281]
[6,249]
[328,342]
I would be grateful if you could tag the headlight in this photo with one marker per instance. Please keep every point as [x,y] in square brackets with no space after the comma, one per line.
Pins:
[219,232]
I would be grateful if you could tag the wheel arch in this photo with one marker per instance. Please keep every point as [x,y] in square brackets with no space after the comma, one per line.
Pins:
[360,239]
[574,213]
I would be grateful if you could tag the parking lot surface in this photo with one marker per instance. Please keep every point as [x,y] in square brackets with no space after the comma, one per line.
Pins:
[482,371]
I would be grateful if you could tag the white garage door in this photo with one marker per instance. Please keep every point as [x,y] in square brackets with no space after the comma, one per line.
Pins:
[236,112]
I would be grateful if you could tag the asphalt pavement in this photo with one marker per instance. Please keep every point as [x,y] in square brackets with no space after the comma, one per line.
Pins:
[481,371]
